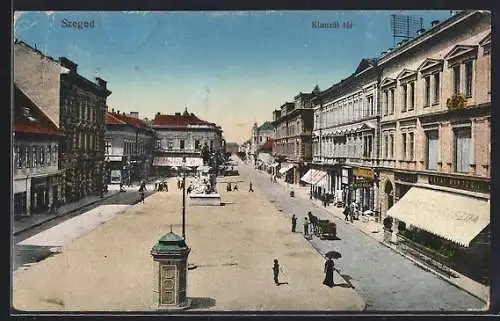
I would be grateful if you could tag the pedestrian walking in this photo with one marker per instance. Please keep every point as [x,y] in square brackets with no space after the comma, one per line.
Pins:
[165,184]
[276,272]
[346,213]
[329,267]
[178,184]
[235,188]
[294,223]
[250,187]
[306,226]
[142,196]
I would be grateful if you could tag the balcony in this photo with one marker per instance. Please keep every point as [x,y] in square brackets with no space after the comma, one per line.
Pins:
[457,101]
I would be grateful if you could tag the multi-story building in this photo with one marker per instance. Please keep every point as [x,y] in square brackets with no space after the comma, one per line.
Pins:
[345,138]
[292,146]
[180,139]
[129,143]
[435,151]
[260,135]
[83,112]
[35,166]
[77,107]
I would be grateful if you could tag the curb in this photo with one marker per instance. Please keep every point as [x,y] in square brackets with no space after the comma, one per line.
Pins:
[62,215]
[421,265]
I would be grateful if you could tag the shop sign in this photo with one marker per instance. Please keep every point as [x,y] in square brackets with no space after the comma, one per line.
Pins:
[361,183]
[460,183]
[408,178]
[363,172]
[345,176]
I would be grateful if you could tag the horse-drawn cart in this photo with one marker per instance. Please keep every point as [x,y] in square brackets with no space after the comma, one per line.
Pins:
[326,230]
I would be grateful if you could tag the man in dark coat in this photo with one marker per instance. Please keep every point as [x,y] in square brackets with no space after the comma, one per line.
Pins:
[294,223]
[276,271]
[329,267]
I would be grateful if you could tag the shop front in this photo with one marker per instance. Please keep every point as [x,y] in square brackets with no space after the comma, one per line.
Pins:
[40,200]
[286,171]
[364,188]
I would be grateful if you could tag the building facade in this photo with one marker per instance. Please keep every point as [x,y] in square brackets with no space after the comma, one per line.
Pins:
[35,158]
[129,144]
[82,120]
[292,146]
[260,135]
[434,163]
[180,140]
[77,107]
[345,139]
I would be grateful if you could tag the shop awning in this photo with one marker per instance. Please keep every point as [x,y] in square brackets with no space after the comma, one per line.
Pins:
[308,176]
[286,168]
[318,176]
[455,217]
[177,161]
[114,158]
[323,182]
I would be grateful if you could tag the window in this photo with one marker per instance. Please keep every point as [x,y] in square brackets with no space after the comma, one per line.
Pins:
[107,147]
[367,146]
[386,102]
[432,149]
[54,155]
[462,150]
[182,144]
[411,144]
[456,79]
[403,144]
[436,88]
[34,156]
[42,155]
[427,91]
[412,96]
[17,156]
[158,143]
[27,160]
[49,154]
[386,145]
[196,144]
[371,106]
[391,110]
[405,89]
[211,145]
[391,145]
[170,144]
[468,79]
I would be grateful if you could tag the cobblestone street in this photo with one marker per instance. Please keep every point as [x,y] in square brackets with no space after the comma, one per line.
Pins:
[386,280]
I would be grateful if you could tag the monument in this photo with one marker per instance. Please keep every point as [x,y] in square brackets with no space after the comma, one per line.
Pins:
[203,190]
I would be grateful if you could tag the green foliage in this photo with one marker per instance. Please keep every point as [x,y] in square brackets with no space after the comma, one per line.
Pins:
[456,101]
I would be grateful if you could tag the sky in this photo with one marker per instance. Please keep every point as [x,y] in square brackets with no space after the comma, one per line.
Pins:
[231,68]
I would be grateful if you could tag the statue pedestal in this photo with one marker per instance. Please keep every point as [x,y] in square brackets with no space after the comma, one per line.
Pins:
[204,199]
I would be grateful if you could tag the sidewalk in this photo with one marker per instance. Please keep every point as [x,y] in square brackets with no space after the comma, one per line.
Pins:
[375,230]
[26,223]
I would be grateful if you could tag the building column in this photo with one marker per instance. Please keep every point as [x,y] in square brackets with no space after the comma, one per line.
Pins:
[28,196]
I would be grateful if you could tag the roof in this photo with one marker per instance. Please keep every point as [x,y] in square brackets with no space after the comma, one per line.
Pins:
[112,120]
[170,242]
[178,120]
[29,118]
[135,122]
[267,125]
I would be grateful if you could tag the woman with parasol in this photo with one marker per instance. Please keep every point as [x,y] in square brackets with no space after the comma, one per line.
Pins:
[329,267]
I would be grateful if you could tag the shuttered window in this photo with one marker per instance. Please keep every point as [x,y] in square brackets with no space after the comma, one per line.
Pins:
[462,150]
[432,149]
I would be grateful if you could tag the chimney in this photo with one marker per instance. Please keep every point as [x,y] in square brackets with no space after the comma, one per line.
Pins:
[124,114]
[101,83]
[434,23]
[420,31]
[158,114]
[134,114]
[177,114]
[65,62]
[112,110]
[118,112]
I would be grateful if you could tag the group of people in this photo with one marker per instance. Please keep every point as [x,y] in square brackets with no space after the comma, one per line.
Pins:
[350,211]
[273,179]
[230,187]
[310,224]
[161,187]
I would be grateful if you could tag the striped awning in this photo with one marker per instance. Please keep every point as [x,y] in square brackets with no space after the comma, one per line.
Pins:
[286,168]
[455,217]
[307,178]
[319,175]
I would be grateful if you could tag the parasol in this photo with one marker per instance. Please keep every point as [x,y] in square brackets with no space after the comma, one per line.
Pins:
[333,255]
